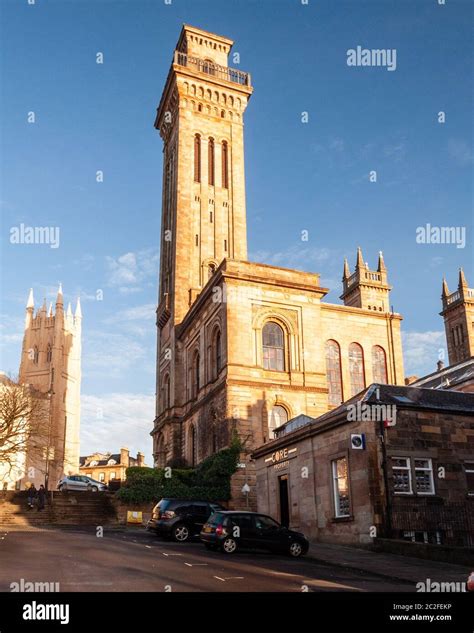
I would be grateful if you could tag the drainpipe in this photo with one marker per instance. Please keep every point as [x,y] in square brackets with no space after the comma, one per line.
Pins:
[388,513]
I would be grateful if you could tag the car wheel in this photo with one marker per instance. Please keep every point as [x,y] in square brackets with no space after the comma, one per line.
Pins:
[295,550]
[62,488]
[229,546]
[94,489]
[180,533]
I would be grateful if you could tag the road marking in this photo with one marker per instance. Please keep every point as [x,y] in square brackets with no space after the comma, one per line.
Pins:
[148,546]
[229,578]
[219,578]
[165,554]
[196,564]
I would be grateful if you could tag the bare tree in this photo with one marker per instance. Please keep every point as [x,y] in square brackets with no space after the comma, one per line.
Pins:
[24,424]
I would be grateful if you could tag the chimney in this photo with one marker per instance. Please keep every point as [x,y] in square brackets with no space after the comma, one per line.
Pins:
[440,365]
[140,459]
[410,379]
[124,457]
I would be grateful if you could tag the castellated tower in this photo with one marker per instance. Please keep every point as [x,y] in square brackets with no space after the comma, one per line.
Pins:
[458,314]
[51,363]
[365,288]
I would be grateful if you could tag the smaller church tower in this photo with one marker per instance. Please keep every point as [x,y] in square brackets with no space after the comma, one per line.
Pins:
[51,363]
[458,315]
[365,288]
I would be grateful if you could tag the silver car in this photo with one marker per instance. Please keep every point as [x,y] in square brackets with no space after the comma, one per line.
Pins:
[81,482]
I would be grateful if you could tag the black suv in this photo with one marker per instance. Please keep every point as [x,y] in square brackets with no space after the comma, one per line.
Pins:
[230,530]
[180,519]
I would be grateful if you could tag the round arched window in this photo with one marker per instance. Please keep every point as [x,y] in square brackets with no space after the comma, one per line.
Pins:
[278,416]
[273,340]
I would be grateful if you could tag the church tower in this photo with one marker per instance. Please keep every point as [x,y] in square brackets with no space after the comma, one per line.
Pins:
[458,314]
[365,288]
[51,363]
[200,119]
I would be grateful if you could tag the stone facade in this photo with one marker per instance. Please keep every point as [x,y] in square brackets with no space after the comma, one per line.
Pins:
[433,429]
[213,373]
[108,467]
[51,363]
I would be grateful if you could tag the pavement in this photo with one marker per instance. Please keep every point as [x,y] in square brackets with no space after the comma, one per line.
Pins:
[393,566]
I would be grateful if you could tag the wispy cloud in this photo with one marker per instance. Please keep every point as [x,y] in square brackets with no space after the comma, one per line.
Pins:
[112,354]
[127,272]
[422,350]
[114,420]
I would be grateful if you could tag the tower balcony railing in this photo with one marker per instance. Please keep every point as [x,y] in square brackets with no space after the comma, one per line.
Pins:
[210,68]
[458,295]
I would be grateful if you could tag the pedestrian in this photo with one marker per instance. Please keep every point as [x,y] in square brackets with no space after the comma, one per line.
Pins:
[41,495]
[31,496]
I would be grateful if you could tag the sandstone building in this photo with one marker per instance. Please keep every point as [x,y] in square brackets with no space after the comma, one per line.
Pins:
[243,345]
[107,467]
[51,364]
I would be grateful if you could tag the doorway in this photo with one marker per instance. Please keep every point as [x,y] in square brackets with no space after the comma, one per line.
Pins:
[284,503]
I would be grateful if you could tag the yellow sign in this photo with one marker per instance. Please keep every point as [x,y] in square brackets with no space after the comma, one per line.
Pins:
[134,517]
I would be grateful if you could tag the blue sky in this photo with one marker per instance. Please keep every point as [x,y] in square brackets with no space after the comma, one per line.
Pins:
[300,176]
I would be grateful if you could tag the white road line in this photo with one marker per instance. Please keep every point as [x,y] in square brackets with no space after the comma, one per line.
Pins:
[164,554]
[219,578]
[234,578]
[148,546]
[196,564]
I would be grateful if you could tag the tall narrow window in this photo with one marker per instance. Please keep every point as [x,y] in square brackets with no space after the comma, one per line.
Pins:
[211,161]
[196,376]
[333,372]
[273,347]
[166,392]
[192,445]
[225,165]
[379,365]
[356,368]
[340,476]
[197,158]
[35,355]
[49,353]
[217,352]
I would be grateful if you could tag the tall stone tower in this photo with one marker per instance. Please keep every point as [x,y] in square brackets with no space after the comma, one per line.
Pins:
[200,119]
[51,363]
[458,315]
[365,288]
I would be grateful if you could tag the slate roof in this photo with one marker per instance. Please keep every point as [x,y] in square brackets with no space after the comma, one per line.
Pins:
[448,377]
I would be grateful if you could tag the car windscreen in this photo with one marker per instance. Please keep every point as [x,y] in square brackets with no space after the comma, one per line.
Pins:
[162,505]
[216,518]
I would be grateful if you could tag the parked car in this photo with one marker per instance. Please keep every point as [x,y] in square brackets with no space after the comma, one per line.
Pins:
[229,531]
[180,519]
[81,482]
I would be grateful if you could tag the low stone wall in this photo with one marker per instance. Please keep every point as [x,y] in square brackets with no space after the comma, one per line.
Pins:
[122,509]
[441,553]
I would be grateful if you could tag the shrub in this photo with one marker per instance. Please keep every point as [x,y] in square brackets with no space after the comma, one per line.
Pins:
[210,481]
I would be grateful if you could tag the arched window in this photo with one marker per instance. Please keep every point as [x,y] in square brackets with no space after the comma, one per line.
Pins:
[333,372]
[379,365]
[196,376]
[211,269]
[166,392]
[197,158]
[192,445]
[49,353]
[356,368]
[211,162]
[273,340]
[208,67]
[35,355]
[225,165]
[277,416]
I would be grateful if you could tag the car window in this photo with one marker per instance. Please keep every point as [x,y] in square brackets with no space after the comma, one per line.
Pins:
[73,478]
[183,509]
[266,523]
[200,508]
[216,518]
[242,520]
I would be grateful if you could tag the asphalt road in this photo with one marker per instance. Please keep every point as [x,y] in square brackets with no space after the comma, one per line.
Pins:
[135,560]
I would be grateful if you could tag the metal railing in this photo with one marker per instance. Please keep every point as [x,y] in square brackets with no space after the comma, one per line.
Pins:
[435,521]
[210,68]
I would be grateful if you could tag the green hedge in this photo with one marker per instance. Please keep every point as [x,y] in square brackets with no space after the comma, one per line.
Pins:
[210,481]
